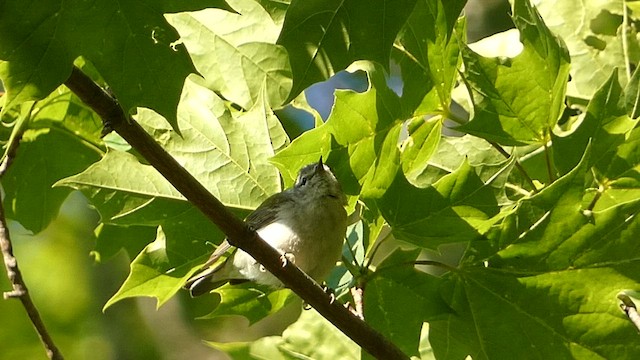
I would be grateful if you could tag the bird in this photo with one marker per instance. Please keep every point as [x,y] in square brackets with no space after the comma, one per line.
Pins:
[306,223]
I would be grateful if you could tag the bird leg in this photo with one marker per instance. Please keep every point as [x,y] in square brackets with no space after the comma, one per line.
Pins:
[286,258]
[330,291]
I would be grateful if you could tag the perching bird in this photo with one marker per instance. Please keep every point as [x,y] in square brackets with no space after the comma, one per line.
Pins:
[307,223]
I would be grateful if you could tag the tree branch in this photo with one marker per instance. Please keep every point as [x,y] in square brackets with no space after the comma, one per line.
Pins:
[19,288]
[237,232]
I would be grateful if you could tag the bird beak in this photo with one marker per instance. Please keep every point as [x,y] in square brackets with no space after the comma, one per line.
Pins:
[320,165]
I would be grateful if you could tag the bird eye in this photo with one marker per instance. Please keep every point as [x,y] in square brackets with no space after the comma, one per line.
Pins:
[303,181]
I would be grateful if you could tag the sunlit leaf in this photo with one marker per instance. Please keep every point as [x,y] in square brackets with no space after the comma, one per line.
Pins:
[361,134]
[250,301]
[399,283]
[454,209]
[236,53]
[153,274]
[311,337]
[605,125]
[430,54]
[519,101]
[139,58]
[592,30]
[323,37]
[557,274]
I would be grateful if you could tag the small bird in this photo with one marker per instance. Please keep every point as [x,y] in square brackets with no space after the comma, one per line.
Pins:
[306,223]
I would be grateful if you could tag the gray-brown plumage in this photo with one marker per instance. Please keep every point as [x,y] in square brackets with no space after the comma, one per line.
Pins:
[307,222]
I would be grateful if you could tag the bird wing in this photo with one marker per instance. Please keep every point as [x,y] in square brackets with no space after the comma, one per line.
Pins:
[267,212]
[264,215]
[220,250]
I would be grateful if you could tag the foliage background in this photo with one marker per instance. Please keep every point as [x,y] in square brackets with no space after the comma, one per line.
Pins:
[549,264]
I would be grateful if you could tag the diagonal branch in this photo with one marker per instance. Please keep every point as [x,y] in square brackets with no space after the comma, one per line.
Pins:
[19,288]
[237,232]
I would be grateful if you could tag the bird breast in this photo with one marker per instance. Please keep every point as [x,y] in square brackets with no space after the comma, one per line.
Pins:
[313,234]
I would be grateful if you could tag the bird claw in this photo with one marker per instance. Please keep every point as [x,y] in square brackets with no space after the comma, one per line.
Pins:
[353,310]
[286,258]
[330,292]
[327,290]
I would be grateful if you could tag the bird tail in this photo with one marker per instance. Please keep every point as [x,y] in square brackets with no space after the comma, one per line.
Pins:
[209,277]
[203,282]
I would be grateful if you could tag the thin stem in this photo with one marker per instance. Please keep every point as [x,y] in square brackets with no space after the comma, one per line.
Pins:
[353,255]
[547,157]
[19,288]
[596,197]
[436,264]
[21,126]
[372,253]
[518,165]
[517,189]
[418,262]
[625,43]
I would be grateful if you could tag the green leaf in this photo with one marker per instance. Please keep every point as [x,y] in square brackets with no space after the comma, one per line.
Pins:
[127,193]
[542,222]
[39,47]
[592,30]
[44,156]
[222,148]
[455,209]
[63,110]
[605,125]
[120,173]
[311,337]
[250,301]
[304,150]
[111,238]
[620,178]
[420,144]
[430,54]
[153,274]
[58,118]
[396,284]
[362,128]
[556,277]
[571,314]
[323,37]
[171,6]
[452,152]
[211,146]
[625,163]
[632,96]
[519,101]
[236,53]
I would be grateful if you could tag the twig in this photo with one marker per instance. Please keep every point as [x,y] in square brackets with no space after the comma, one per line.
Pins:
[596,197]
[21,126]
[625,41]
[547,158]
[19,288]
[519,166]
[357,294]
[235,229]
